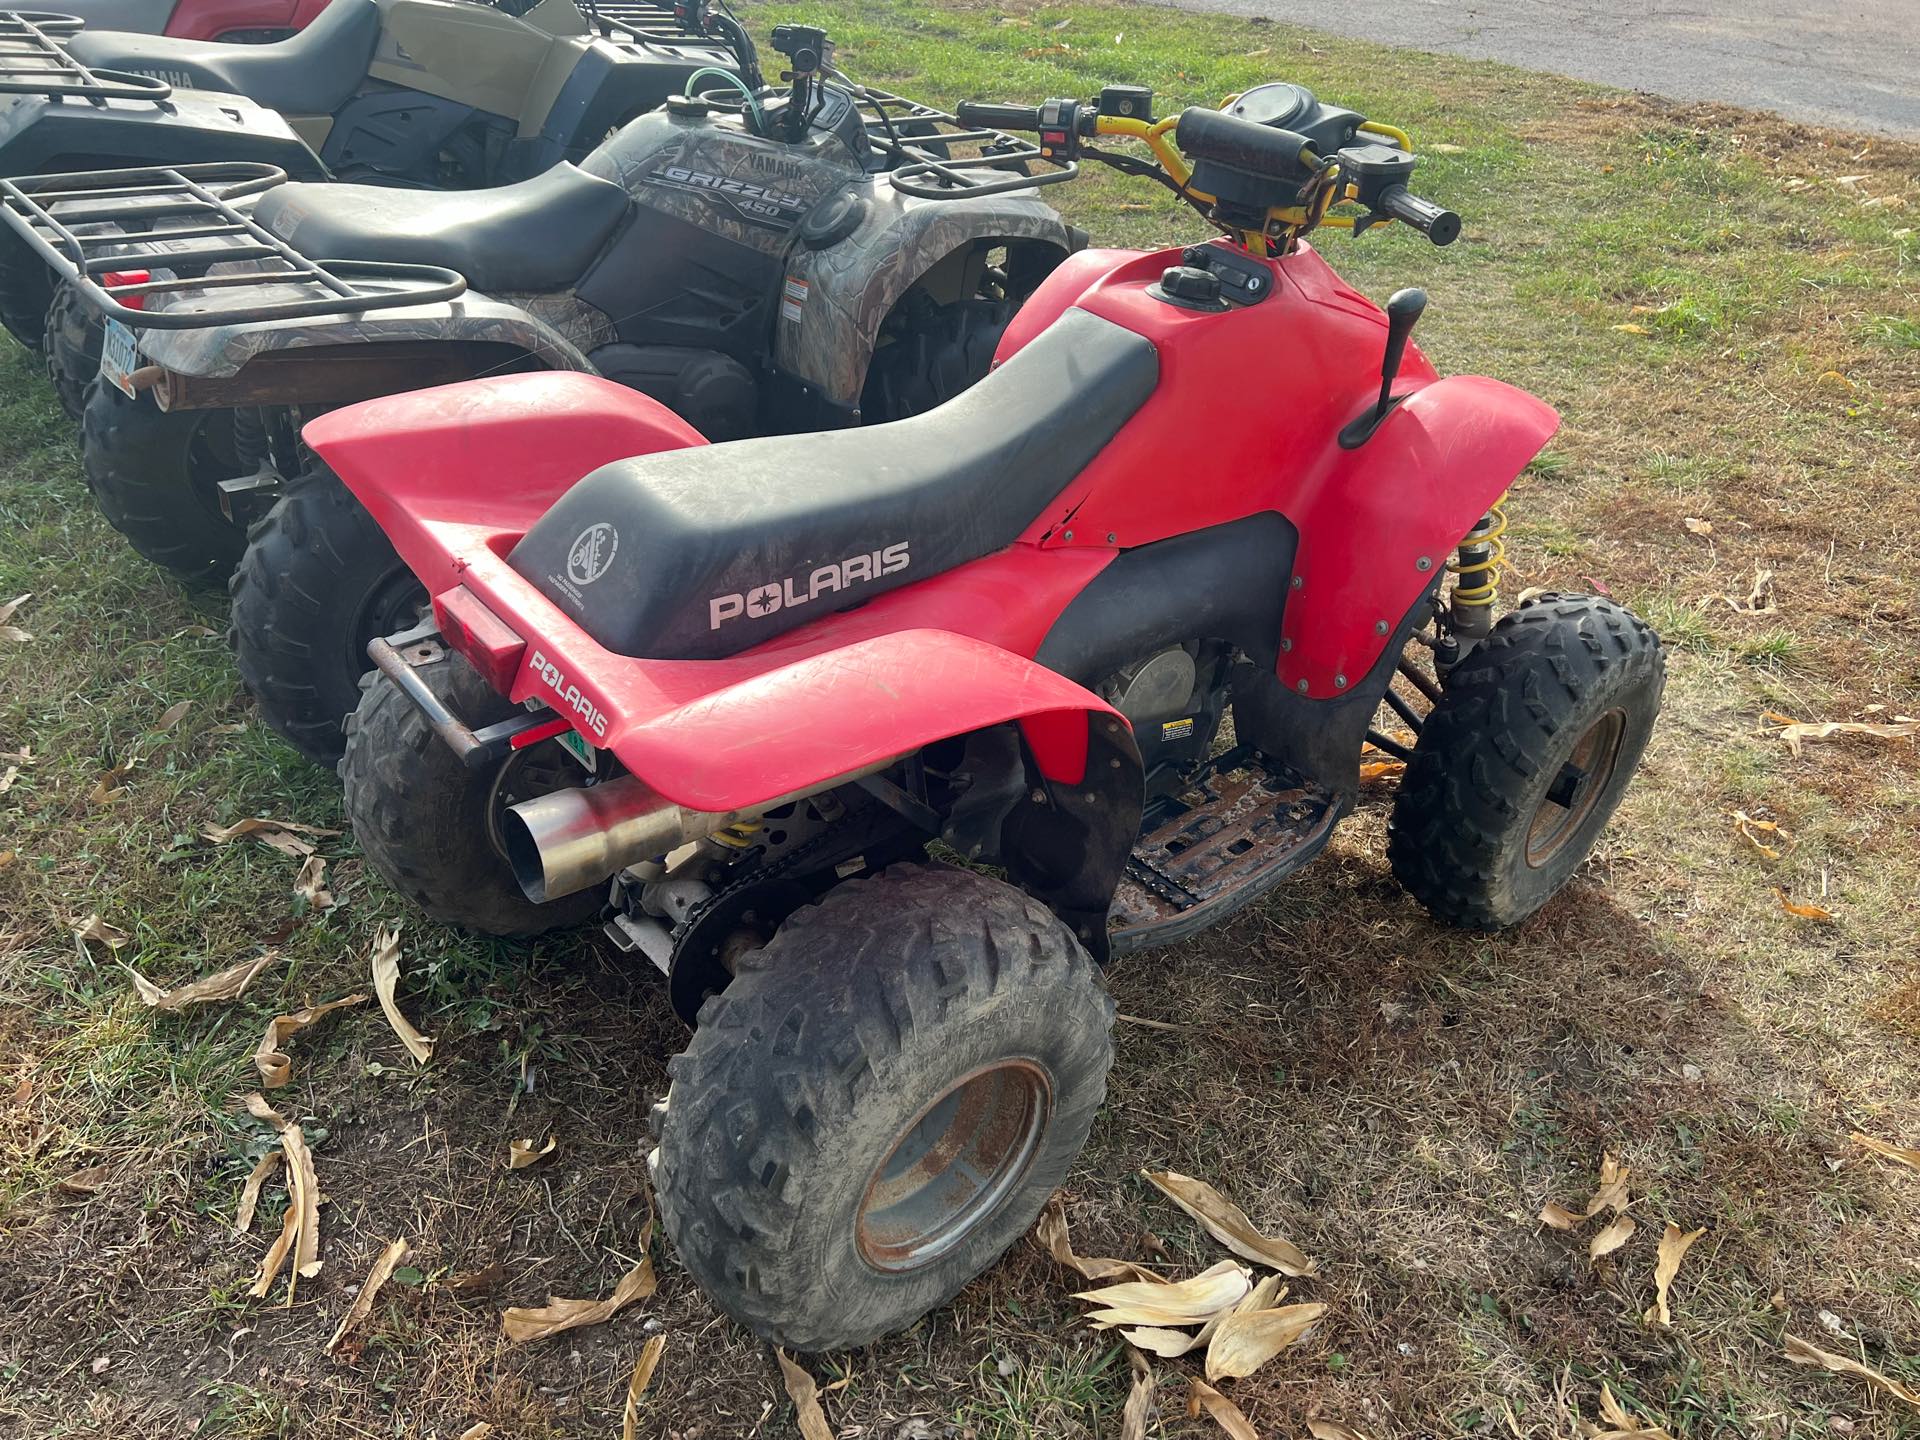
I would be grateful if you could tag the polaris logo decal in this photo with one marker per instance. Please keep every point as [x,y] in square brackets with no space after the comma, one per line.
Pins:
[569,695]
[755,204]
[785,594]
[592,552]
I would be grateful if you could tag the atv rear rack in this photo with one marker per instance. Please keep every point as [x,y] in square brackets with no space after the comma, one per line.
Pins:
[34,62]
[192,207]
[637,21]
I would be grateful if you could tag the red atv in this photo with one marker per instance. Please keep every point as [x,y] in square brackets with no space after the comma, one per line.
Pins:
[741,696]
[235,20]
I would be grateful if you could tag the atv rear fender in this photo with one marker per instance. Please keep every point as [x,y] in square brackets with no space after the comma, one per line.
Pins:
[467,468]
[331,359]
[836,298]
[39,135]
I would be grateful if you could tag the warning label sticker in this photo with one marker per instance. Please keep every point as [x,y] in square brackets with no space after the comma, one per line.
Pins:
[793,300]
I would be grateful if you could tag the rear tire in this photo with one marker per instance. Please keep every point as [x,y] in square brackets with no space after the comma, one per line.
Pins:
[71,347]
[26,290]
[319,579]
[156,475]
[1525,758]
[806,1170]
[429,825]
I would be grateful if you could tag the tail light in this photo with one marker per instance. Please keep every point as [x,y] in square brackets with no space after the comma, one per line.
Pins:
[113,279]
[477,633]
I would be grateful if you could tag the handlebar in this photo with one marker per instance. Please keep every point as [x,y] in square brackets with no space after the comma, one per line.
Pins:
[1204,134]
[1438,224]
[979,115]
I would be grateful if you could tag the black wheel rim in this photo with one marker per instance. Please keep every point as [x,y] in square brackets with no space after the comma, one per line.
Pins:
[951,1165]
[1577,785]
[397,601]
[211,459]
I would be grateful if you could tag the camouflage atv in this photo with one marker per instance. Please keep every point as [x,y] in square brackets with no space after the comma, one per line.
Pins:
[746,261]
[447,94]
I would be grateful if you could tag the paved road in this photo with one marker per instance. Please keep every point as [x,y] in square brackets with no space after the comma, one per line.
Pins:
[1852,63]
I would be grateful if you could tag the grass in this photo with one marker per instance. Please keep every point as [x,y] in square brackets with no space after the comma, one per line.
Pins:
[1398,1099]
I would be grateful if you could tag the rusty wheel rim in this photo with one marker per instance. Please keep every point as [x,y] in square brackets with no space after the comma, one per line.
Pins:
[952,1164]
[1583,777]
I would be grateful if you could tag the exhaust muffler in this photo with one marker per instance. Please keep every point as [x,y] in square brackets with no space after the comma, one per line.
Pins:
[570,840]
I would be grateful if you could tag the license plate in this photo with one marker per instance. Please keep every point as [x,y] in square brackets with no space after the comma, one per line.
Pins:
[119,358]
[579,749]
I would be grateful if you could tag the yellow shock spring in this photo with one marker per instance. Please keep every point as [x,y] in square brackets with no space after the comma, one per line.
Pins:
[739,835]
[1477,575]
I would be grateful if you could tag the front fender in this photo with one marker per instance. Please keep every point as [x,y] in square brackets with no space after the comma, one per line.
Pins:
[835,299]
[1377,522]
[469,466]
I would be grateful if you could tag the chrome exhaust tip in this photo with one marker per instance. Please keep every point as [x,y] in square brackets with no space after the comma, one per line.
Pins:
[572,840]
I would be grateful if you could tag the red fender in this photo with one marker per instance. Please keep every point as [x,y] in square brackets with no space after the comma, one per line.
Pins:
[826,715]
[211,19]
[1377,523]
[476,464]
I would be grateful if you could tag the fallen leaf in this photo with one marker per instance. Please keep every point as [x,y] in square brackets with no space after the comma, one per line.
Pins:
[13,632]
[1796,732]
[283,835]
[228,984]
[1802,1353]
[1171,1344]
[310,884]
[1558,1217]
[1133,1417]
[348,1341]
[1612,1191]
[1617,1424]
[1611,1238]
[474,1282]
[97,930]
[1443,149]
[1202,1396]
[521,1324]
[806,1399]
[1629,328]
[277,1253]
[1751,830]
[85,1182]
[477,1432]
[108,788]
[1836,382]
[7,857]
[257,1106]
[1673,1248]
[172,716]
[1698,526]
[250,1192]
[385,962]
[643,1369]
[1229,1224]
[1381,770]
[1806,910]
[1181,1302]
[1051,1233]
[1334,1430]
[7,777]
[1245,1342]
[1905,1156]
[522,1153]
[303,1194]
[270,1059]
[230,727]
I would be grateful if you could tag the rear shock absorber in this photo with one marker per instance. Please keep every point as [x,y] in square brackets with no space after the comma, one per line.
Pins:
[1476,586]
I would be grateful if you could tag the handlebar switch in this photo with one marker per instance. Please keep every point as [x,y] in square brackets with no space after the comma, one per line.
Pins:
[1241,279]
[1060,130]
[1127,102]
[1374,169]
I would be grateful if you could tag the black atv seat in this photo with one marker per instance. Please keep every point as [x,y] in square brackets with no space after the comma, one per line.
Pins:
[312,73]
[694,554]
[537,235]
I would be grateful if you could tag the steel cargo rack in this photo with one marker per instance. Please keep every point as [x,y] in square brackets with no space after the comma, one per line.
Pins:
[937,156]
[185,219]
[33,61]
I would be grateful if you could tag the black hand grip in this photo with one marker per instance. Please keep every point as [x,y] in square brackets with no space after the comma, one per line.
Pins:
[1438,225]
[979,115]
[1204,134]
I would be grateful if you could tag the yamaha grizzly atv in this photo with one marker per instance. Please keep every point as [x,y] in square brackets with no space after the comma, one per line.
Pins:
[749,264]
[448,94]
[733,693]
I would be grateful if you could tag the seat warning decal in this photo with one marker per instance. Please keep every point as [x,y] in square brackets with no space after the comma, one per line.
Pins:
[793,300]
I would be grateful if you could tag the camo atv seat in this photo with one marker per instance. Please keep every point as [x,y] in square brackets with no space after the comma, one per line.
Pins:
[700,553]
[313,73]
[539,234]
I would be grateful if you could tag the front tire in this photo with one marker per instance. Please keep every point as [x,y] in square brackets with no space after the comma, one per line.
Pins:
[429,825]
[1525,758]
[319,579]
[26,289]
[880,1103]
[156,475]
